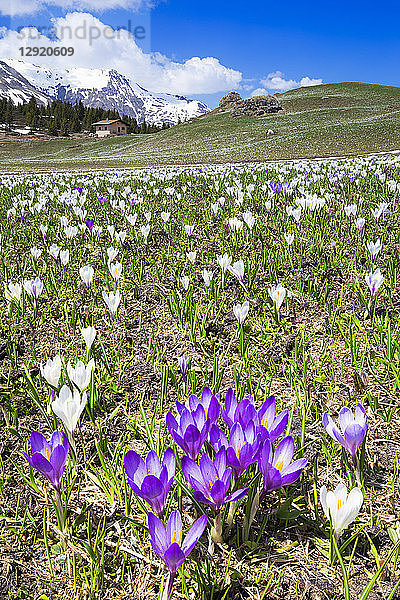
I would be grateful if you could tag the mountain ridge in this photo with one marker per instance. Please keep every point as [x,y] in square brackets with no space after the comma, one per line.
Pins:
[97,88]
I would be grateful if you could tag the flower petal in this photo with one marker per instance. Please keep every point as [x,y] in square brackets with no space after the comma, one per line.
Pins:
[354,436]
[284,453]
[38,442]
[345,418]
[237,495]
[135,467]
[293,471]
[194,534]
[153,463]
[174,558]
[174,528]
[157,534]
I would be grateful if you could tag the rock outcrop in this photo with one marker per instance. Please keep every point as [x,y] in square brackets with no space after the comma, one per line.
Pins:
[229,100]
[258,106]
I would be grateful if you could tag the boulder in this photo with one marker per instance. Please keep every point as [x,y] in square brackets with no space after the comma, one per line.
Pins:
[229,100]
[258,106]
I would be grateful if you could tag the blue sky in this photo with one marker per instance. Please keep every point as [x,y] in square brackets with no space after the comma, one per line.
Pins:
[333,41]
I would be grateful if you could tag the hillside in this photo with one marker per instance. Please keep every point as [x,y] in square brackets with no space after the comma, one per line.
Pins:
[325,120]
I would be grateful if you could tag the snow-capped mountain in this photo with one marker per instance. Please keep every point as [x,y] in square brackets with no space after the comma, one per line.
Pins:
[16,87]
[99,88]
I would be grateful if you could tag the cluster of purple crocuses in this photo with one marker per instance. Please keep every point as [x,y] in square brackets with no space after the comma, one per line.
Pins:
[220,441]
[216,455]
[250,434]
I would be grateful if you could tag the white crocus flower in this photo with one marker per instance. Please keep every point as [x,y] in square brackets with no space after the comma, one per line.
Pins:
[112,301]
[359,223]
[235,224]
[86,274]
[374,280]
[13,291]
[64,257]
[165,216]
[111,230]
[115,270]
[241,311]
[215,207]
[296,214]
[249,219]
[35,252]
[88,334]
[289,238]
[224,261]
[68,406]
[341,508]
[207,277]
[374,248]
[71,231]
[191,256]
[145,230]
[277,295]
[54,251]
[112,253]
[121,236]
[147,216]
[189,230]
[81,374]
[237,269]
[185,281]
[351,209]
[51,371]
[132,219]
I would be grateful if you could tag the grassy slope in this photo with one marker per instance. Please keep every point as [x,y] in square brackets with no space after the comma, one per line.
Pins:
[327,120]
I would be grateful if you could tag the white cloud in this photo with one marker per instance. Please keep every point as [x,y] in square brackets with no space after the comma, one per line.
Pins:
[307,82]
[97,45]
[276,81]
[259,92]
[29,7]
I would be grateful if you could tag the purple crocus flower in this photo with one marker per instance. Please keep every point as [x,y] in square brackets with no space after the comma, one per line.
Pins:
[89,224]
[228,410]
[168,543]
[49,458]
[268,423]
[277,468]
[211,480]
[243,446]
[353,428]
[208,401]
[183,365]
[192,430]
[150,480]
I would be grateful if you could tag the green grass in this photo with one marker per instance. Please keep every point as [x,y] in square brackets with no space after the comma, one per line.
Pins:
[328,120]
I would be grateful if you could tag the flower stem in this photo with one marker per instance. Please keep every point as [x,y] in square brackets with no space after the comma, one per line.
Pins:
[168,588]
[231,514]
[216,530]
[356,464]
[60,510]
